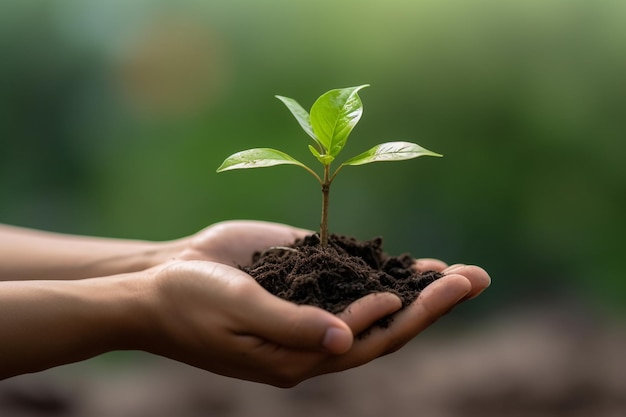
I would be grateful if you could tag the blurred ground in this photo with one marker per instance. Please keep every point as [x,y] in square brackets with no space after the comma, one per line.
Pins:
[531,363]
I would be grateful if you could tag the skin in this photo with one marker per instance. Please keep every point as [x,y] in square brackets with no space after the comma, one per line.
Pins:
[66,298]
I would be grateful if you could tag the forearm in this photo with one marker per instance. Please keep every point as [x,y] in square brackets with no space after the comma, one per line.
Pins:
[31,254]
[49,323]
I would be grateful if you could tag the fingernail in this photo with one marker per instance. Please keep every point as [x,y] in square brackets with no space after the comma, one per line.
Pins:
[337,340]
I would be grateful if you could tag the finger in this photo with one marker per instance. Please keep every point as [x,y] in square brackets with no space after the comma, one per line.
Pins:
[478,277]
[366,311]
[433,302]
[293,326]
[429,264]
[247,309]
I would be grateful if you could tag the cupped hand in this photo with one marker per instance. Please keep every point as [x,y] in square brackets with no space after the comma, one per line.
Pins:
[216,317]
[234,242]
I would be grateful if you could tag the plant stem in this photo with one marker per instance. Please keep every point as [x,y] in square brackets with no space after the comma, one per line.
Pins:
[325,193]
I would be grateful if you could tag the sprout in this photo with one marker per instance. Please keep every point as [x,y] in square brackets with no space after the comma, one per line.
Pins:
[332,118]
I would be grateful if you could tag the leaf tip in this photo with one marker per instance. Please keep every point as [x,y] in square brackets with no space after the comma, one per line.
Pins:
[222,168]
[359,88]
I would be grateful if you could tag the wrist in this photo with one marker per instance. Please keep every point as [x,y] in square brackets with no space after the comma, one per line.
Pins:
[161,253]
[129,256]
[131,309]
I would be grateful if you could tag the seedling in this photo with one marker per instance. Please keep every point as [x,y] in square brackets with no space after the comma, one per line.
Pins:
[332,118]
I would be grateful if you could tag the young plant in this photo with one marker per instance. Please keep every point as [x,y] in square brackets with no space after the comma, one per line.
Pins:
[332,118]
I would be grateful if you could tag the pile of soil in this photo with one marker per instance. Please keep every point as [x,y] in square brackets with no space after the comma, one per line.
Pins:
[334,276]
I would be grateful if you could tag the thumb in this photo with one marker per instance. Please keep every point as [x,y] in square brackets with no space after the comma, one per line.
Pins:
[298,326]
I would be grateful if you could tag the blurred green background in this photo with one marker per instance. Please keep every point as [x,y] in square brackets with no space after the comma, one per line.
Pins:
[115,114]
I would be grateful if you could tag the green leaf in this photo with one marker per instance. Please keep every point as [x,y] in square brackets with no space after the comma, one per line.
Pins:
[301,115]
[390,151]
[257,158]
[324,159]
[334,115]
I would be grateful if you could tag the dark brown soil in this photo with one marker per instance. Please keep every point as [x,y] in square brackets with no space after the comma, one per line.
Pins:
[335,276]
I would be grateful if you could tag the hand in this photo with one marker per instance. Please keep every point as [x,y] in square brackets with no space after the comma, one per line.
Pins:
[460,283]
[233,242]
[202,312]
[218,318]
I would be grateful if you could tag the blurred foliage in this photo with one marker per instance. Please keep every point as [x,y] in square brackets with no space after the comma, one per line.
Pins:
[114,116]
